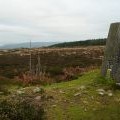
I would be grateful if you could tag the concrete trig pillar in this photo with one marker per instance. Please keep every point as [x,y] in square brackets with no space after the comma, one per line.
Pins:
[112,53]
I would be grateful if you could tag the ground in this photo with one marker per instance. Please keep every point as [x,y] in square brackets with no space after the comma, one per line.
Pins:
[54,61]
[82,99]
[90,97]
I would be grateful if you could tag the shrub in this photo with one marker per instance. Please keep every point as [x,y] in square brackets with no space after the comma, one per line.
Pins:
[33,79]
[20,109]
[55,70]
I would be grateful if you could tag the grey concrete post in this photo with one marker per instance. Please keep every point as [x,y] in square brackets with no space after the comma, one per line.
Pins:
[112,51]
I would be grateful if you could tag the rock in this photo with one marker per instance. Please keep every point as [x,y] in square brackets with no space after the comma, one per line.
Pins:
[85,110]
[92,97]
[118,84]
[38,90]
[110,94]
[54,105]
[85,102]
[38,98]
[65,100]
[82,87]
[111,58]
[23,88]
[101,90]
[62,92]
[77,94]
[20,92]
[101,93]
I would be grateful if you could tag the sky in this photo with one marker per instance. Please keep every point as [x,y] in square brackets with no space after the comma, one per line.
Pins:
[56,20]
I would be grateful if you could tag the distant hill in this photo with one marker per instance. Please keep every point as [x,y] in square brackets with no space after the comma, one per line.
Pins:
[27,45]
[91,42]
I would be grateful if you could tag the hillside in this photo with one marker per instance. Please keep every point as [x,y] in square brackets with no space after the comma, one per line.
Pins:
[89,97]
[60,63]
[27,45]
[92,42]
[74,89]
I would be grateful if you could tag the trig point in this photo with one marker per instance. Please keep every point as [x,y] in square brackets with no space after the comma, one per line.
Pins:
[112,53]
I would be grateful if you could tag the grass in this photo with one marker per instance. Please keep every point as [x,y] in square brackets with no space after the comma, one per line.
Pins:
[80,100]
[88,104]
[85,79]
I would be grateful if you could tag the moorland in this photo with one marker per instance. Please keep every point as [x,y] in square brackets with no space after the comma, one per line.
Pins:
[71,89]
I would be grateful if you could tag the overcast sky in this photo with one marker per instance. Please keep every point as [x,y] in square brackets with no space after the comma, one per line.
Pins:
[56,20]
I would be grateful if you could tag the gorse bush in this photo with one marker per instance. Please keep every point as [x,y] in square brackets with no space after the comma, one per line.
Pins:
[20,109]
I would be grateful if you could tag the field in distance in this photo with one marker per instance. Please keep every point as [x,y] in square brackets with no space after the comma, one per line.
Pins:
[57,62]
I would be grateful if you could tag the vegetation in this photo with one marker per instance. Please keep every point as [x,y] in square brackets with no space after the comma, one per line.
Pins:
[20,109]
[92,42]
[55,62]
[72,90]
[88,97]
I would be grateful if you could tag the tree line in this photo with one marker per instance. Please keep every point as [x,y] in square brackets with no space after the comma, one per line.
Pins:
[91,42]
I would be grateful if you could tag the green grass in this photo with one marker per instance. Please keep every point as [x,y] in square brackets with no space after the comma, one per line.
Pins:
[85,79]
[79,99]
[89,105]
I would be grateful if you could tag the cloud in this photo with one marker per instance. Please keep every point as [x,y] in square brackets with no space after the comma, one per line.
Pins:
[56,20]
